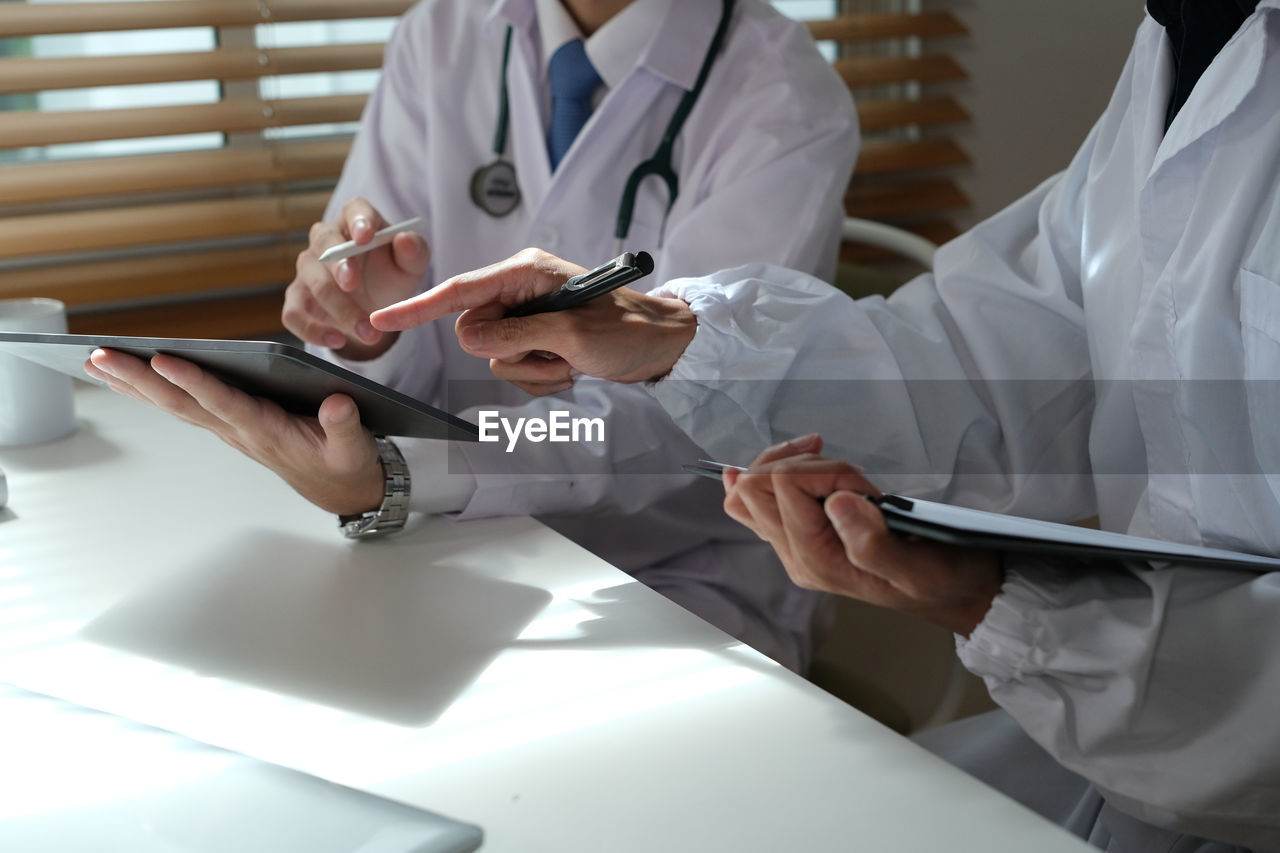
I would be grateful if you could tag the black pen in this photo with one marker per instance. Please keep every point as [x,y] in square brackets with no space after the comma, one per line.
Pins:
[623,269]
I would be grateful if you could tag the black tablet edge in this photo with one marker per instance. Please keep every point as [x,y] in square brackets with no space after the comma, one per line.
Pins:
[1000,542]
[471,430]
[176,347]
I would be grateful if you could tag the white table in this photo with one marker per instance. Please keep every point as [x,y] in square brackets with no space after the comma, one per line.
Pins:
[490,671]
[77,780]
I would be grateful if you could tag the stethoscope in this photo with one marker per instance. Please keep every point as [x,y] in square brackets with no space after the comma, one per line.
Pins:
[496,191]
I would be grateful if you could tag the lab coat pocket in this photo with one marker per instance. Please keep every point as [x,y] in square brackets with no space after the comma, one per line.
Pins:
[1260,330]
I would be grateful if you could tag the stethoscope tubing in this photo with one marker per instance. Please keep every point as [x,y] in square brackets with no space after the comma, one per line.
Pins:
[659,165]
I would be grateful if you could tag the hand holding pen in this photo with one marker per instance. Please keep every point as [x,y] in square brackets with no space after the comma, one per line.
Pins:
[380,238]
[825,521]
[581,289]
[353,266]
[619,333]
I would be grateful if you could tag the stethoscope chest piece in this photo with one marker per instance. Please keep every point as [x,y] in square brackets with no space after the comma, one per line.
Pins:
[494,188]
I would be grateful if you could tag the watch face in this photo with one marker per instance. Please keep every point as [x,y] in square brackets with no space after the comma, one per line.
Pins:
[494,188]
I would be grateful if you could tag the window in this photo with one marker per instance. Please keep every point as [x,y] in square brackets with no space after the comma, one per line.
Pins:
[316,33]
[88,97]
[188,144]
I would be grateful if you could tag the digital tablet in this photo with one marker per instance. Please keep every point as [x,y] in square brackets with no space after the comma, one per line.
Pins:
[295,379]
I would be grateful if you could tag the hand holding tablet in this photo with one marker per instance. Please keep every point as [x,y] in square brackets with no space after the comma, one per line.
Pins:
[292,378]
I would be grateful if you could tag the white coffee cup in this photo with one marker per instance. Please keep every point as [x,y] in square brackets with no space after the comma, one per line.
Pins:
[35,402]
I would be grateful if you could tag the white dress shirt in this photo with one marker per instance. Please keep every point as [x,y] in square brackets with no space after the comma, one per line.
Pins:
[774,123]
[1108,345]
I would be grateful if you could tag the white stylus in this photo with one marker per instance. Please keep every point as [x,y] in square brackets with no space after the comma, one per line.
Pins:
[342,251]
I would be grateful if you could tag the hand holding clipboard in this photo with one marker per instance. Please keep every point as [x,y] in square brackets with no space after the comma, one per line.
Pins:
[972,528]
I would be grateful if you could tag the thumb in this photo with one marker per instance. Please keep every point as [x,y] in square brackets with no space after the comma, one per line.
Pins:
[411,253]
[347,442]
[856,520]
[507,338]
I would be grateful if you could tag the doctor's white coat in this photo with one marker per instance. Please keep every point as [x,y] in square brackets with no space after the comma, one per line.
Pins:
[1108,345]
[762,163]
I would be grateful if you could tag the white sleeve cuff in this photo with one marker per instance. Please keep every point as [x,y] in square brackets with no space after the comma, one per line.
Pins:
[740,312]
[1000,648]
[441,481]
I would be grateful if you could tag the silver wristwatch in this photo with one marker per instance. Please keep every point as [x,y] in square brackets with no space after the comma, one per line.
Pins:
[391,515]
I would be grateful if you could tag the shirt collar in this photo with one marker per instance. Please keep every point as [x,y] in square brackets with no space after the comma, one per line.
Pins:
[614,49]
[669,38]
[518,14]
[555,27]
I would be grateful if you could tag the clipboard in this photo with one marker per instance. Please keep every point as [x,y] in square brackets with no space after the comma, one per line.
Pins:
[975,528]
[291,377]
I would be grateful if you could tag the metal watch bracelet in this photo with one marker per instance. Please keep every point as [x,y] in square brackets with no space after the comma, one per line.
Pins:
[391,516]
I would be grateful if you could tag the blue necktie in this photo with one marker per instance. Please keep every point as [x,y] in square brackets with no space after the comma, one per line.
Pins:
[573,79]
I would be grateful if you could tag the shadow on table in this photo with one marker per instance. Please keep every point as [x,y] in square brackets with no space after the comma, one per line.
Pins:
[369,630]
[85,447]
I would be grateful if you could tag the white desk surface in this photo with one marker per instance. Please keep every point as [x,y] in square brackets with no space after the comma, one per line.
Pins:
[490,671]
[131,788]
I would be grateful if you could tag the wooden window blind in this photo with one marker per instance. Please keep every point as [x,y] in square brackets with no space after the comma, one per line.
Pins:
[195,233]
[904,83]
[199,240]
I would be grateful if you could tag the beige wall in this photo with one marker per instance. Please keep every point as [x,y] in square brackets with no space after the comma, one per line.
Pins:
[1041,73]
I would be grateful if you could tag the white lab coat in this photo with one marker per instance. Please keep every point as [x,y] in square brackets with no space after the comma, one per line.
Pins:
[1098,347]
[774,122]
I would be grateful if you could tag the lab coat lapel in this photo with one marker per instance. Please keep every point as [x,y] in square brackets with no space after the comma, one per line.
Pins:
[614,114]
[1150,85]
[1225,84]
[678,47]
[529,143]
